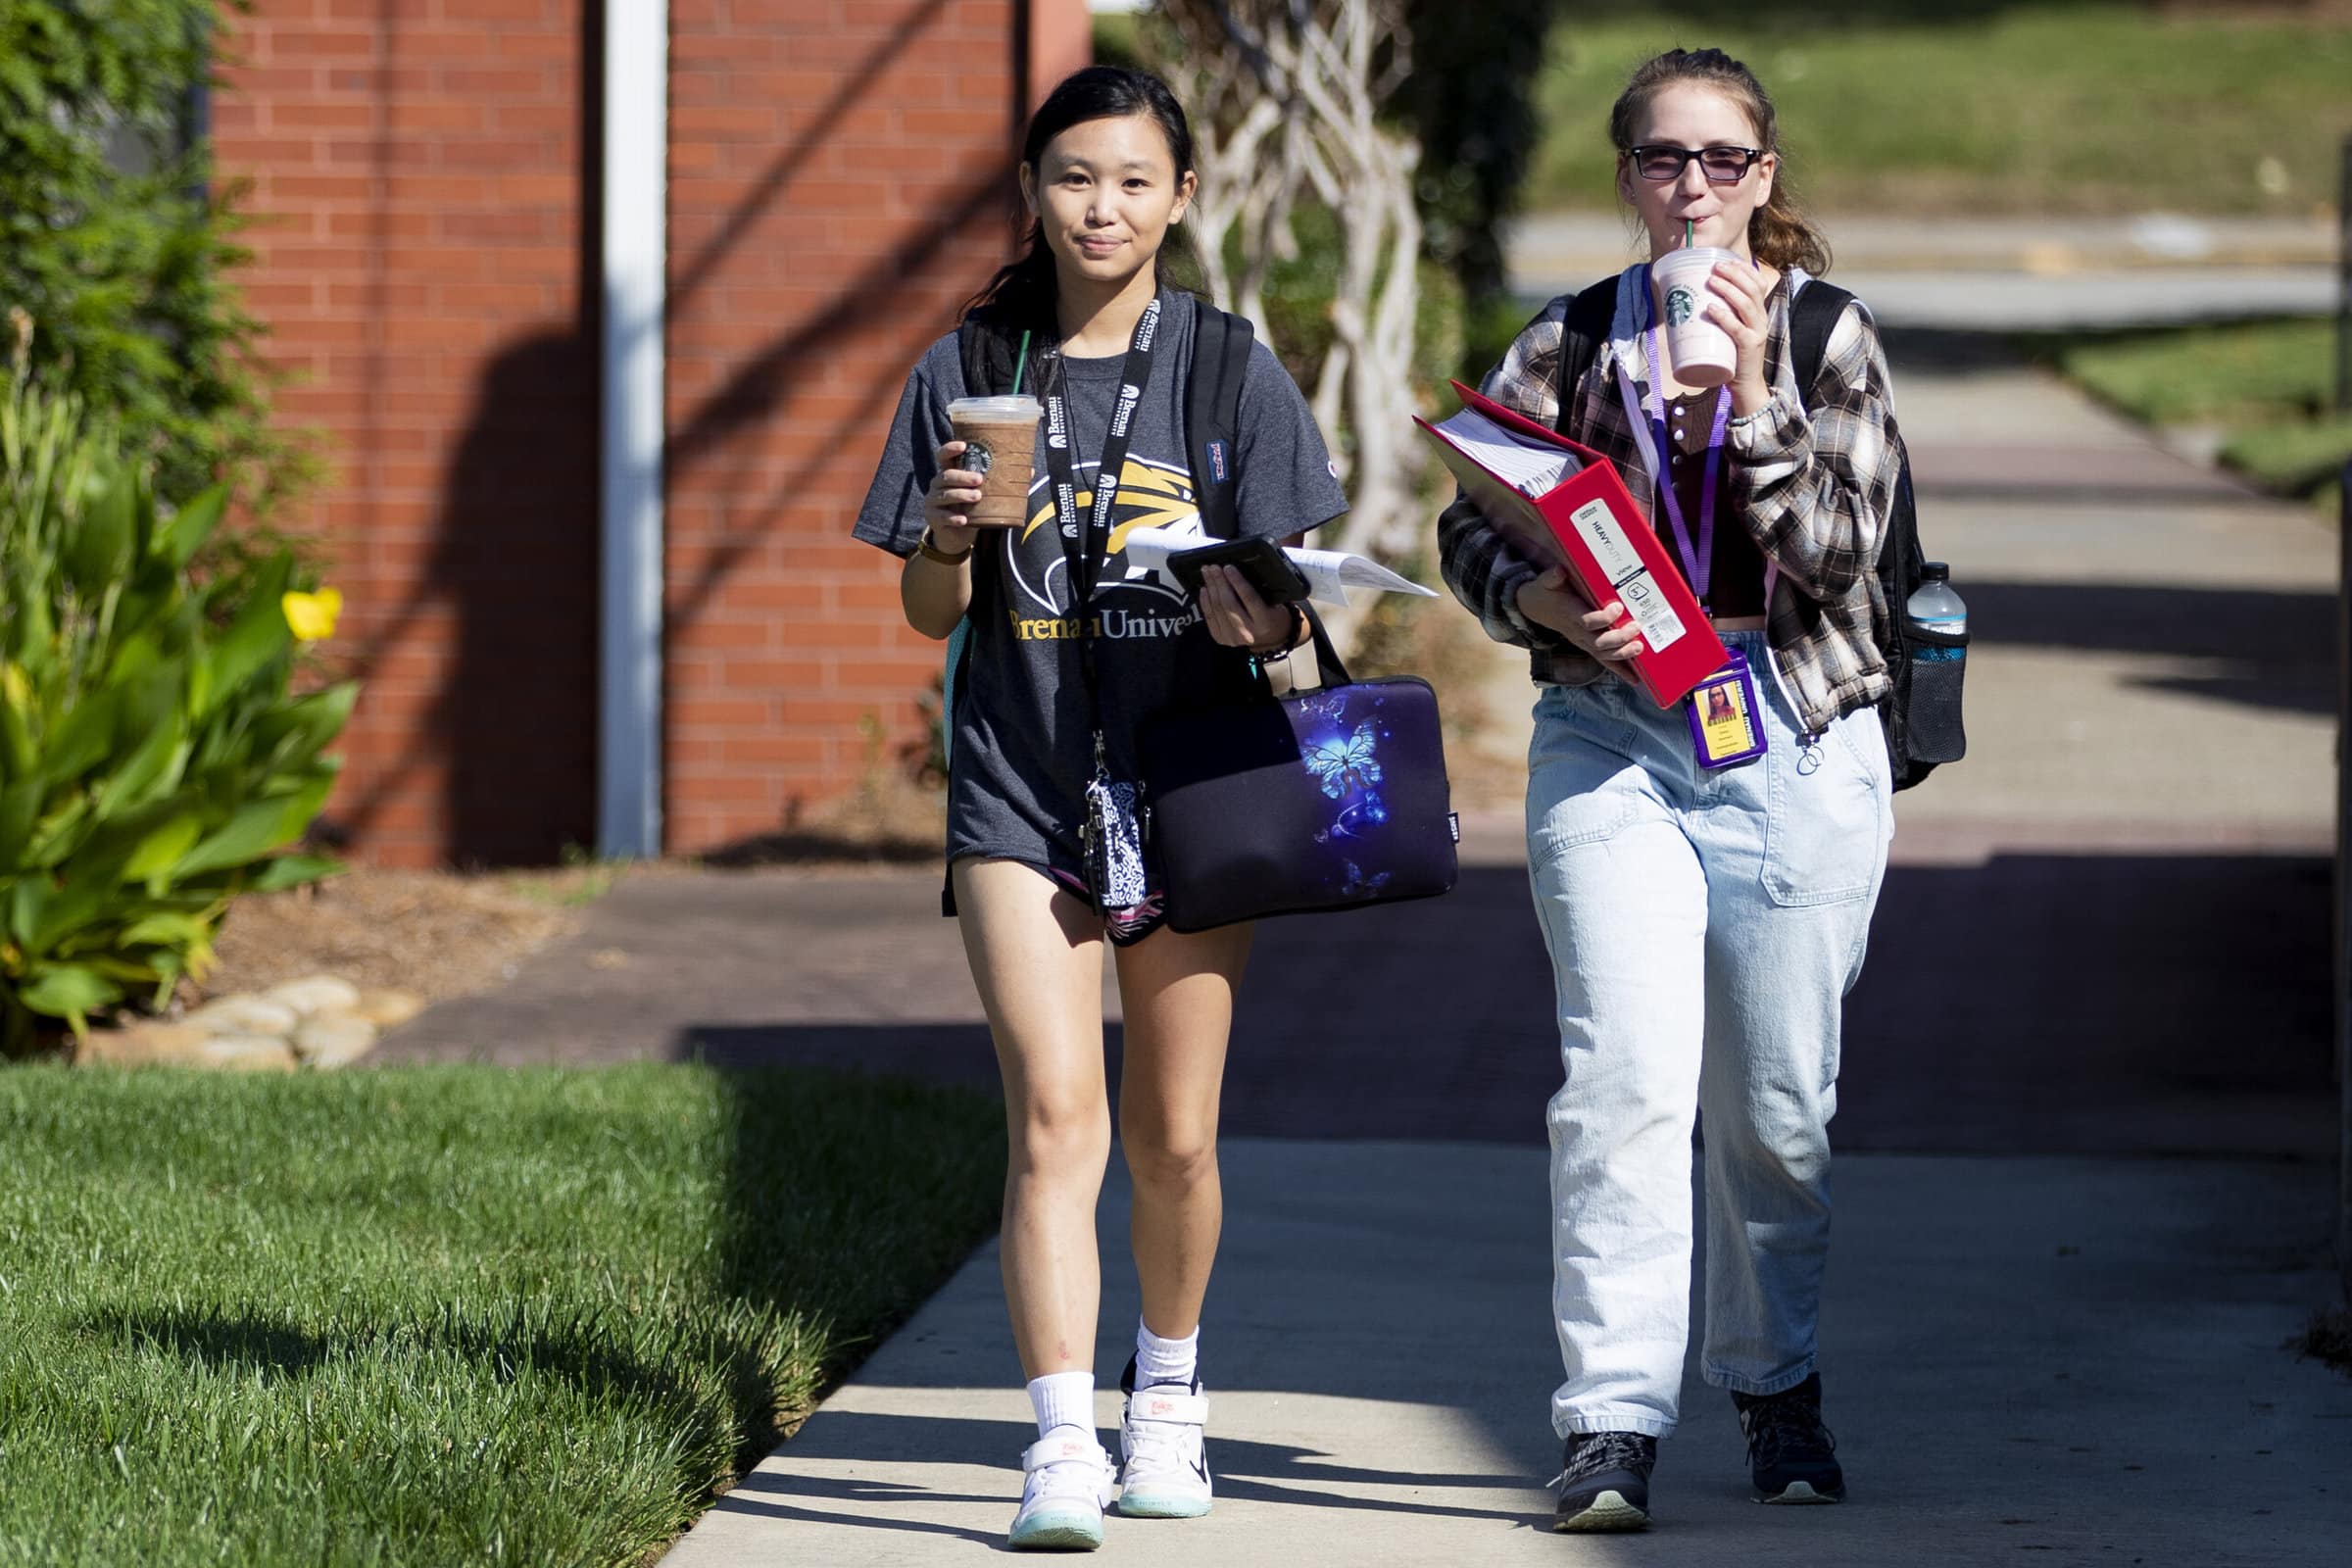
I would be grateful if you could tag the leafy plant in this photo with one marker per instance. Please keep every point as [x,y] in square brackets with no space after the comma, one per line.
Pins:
[152,760]
[119,240]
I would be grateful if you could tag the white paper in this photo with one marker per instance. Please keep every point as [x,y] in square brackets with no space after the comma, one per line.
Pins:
[1329,574]
[1148,551]
[1533,468]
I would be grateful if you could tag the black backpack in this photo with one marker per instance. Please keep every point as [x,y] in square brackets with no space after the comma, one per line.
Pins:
[1921,715]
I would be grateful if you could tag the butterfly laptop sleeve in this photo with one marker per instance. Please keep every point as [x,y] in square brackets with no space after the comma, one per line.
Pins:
[1323,800]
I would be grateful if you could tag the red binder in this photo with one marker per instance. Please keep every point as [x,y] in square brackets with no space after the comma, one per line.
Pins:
[1589,523]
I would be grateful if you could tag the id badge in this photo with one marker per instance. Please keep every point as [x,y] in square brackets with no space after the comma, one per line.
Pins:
[1726,726]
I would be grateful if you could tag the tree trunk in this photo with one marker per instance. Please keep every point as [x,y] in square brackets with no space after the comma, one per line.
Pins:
[1286,97]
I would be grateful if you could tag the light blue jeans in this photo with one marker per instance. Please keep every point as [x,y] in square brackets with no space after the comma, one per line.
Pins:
[1704,929]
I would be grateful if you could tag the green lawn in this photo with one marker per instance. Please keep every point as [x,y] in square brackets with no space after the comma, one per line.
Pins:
[2210,375]
[443,1315]
[1905,106]
[2266,385]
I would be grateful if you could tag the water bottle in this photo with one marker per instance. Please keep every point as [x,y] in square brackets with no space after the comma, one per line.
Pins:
[1933,606]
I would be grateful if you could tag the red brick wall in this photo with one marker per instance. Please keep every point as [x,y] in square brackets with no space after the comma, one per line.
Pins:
[1061,40]
[840,182]
[424,174]
[415,170]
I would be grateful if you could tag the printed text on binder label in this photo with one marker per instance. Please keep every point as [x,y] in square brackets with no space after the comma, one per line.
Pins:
[1602,533]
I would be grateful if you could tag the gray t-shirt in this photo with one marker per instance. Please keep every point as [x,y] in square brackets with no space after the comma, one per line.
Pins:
[1022,736]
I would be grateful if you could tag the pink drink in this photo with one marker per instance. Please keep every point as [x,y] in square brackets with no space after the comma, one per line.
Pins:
[1702,353]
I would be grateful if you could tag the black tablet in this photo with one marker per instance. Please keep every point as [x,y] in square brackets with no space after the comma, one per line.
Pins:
[1260,562]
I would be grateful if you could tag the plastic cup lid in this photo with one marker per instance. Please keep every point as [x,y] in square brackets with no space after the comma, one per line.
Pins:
[1023,407]
[1695,256]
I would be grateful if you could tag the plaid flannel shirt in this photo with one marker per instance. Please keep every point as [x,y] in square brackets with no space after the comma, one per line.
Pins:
[1811,478]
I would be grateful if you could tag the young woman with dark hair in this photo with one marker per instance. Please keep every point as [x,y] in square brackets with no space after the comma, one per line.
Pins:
[1704,922]
[1066,656]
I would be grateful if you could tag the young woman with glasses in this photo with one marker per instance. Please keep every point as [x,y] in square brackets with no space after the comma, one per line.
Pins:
[1704,921]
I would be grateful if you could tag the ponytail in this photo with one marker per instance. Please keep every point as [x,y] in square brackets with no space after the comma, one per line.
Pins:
[1780,233]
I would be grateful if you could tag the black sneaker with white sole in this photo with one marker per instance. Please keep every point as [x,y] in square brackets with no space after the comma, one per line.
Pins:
[1791,1455]
[1604,1482]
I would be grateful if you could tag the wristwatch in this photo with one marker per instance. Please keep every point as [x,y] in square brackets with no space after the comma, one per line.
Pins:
[931,552]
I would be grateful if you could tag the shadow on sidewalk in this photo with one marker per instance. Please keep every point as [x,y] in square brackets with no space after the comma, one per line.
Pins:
[2035,1003]
[1264,1472]
[2269,648]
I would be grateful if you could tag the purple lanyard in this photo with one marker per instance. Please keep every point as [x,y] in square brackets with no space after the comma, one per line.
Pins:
[1699,563]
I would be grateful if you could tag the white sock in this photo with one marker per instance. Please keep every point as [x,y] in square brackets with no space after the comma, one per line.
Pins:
[1159,1360]
[1063,1400]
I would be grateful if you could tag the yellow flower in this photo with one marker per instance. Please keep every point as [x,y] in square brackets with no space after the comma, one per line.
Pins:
[312,617]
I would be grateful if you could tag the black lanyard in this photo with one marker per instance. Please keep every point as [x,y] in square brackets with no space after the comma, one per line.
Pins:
[1084,546]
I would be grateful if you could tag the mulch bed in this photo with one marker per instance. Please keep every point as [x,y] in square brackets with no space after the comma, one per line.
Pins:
[440,934]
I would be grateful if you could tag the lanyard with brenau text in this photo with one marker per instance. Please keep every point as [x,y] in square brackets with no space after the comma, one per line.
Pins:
[1085,544]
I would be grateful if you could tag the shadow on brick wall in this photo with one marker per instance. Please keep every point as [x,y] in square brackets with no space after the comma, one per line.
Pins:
[818,357]
[511,733]
[512,727]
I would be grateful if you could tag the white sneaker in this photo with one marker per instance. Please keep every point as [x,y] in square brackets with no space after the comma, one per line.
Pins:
[1163,1439]
[1065,1485]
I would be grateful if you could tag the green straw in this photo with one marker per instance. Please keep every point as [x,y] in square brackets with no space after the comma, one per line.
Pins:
[1687,235]
[1020,365]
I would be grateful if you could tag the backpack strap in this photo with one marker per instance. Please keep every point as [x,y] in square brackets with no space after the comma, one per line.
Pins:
[1811,315]
[1816,310]
[1212,415]
[1587,326]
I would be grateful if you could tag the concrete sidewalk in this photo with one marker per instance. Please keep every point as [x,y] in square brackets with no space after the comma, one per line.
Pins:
[2061,1362]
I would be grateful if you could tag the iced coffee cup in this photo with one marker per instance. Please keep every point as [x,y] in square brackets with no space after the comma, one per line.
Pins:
[999,444]
[1702,353]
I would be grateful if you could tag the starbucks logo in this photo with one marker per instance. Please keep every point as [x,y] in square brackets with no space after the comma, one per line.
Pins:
[977,458]
[1680,306]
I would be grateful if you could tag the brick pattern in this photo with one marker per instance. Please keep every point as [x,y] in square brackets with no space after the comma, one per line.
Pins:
[425,257]
[840,182]
[415,176]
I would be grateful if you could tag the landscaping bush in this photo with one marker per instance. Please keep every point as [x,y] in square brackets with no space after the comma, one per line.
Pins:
[119,242]
[152,759]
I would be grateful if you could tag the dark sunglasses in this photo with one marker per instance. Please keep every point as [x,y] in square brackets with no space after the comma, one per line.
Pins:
[1723,166]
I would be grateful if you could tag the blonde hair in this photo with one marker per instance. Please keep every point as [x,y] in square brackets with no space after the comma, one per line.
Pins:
[1779,232]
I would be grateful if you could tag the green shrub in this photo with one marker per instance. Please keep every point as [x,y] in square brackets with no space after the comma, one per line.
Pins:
[119,240]
[151,759]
